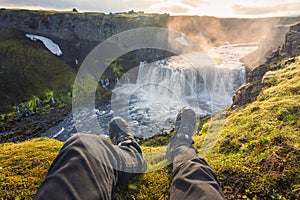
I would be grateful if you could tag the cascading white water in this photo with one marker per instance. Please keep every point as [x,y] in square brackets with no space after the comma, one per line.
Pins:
[173,74]
[151,102]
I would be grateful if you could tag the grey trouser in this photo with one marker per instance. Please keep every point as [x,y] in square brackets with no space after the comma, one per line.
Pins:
[192,177]
[77,174]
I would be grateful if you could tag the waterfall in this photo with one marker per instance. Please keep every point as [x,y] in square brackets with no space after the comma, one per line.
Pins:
[166,74]
[151,102]
[150,95]
[176,78]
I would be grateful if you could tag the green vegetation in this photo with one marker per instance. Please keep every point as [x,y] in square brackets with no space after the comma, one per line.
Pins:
[29,72]
[256,155]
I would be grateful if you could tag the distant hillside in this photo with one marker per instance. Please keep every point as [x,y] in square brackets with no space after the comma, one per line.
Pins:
[28,70]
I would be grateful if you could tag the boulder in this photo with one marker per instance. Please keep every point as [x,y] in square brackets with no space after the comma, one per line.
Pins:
[257,73]
[247,93]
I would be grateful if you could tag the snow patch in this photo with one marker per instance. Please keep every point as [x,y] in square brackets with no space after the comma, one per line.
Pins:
[49,44]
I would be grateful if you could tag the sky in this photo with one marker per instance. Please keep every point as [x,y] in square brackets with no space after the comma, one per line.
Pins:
[218,8]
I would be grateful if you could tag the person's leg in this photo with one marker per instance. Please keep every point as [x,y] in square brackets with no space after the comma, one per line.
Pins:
[89,167]
[192,178]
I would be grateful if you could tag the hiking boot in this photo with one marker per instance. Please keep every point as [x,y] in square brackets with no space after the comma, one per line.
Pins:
[120,133]
[184,130]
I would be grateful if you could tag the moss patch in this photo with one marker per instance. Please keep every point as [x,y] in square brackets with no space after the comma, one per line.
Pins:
[23,166]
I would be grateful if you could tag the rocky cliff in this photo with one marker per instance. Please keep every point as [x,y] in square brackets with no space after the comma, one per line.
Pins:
[79,33]
[257,78]
[76,33]
[292,43]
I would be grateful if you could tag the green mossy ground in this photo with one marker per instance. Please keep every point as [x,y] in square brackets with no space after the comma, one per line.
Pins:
[24,166]
[256,152]
[28,72]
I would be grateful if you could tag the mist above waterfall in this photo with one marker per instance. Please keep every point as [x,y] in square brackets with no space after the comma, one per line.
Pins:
[209,32]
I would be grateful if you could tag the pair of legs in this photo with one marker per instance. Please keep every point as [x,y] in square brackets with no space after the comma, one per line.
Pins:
[88,167]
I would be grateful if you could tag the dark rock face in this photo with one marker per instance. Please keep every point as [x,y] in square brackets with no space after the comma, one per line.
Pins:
[78,26]
[292,44]
[248,92]
[257,73]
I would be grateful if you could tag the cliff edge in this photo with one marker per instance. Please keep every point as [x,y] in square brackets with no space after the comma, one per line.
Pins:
[279,59]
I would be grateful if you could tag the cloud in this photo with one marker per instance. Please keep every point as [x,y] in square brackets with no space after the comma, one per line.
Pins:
[275,10]
[34,3]
[171,7]
[177,7]
[81,5]
[193,3]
